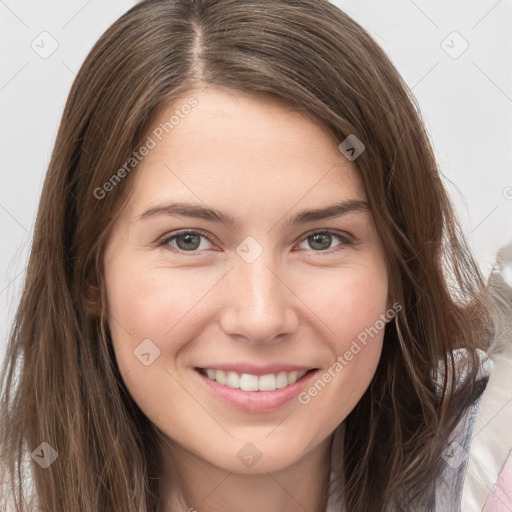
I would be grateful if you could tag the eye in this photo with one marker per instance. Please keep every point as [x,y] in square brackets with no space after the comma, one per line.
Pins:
[320,241]
[192,240]
[185,241]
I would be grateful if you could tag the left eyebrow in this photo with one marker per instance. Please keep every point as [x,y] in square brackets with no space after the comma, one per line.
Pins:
[336,210]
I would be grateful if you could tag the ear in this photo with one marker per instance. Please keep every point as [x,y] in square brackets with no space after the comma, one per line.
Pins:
[91,297]
[92,300]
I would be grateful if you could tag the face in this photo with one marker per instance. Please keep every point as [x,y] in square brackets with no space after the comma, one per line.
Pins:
[220,267]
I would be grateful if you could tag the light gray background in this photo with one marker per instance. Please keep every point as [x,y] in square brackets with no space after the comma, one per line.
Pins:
[466,103]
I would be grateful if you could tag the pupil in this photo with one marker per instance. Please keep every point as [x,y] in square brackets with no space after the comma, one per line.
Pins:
[188,238]
[324,239]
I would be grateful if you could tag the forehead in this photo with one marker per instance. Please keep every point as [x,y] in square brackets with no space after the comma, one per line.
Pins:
[244,149]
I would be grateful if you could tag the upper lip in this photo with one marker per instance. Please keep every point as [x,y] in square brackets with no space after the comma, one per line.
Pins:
[241,368]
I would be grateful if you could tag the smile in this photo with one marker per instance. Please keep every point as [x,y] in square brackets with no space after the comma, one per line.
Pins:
[255,389]
[250,382]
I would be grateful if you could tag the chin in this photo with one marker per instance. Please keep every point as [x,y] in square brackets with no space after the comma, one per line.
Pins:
[260,456]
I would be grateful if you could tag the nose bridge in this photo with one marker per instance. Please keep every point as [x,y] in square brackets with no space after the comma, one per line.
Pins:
[259,306]
[262,285]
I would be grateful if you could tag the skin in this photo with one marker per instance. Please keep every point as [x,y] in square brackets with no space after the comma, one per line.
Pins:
[299,302]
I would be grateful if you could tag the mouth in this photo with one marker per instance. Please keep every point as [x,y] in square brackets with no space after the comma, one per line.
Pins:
[253,393]
[252,382]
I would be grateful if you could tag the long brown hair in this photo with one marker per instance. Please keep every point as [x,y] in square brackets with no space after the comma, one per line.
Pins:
[60,381]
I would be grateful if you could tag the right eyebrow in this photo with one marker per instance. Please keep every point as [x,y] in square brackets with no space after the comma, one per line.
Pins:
[189,210]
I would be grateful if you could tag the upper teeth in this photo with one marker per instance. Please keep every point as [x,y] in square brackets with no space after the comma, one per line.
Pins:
[249,382]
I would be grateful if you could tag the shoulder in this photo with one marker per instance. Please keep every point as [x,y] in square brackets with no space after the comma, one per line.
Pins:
[450,484]
[492,442]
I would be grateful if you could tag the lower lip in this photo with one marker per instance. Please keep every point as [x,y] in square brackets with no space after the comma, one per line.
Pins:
[256,401]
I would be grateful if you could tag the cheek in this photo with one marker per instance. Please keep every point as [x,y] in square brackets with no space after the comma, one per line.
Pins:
[351,304]
[155,304]
[150,316]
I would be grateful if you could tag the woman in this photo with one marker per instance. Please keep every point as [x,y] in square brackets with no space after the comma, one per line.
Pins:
[246,281]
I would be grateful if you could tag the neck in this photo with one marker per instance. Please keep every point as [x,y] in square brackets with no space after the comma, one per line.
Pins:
[193,484]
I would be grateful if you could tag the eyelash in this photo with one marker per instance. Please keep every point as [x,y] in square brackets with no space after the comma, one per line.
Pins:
[344,239]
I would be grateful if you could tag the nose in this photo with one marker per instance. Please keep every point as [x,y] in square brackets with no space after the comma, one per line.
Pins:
[261,305]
